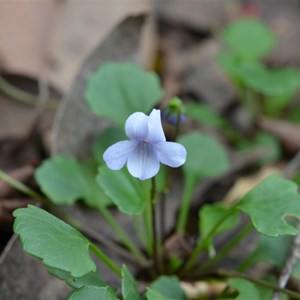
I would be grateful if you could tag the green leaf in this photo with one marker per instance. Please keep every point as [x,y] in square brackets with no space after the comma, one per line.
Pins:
[204,115]
[277,85]
[58,244]
[249,38]
[229,62]
[90,279]
[271,250]
[117,90]
[64,180]
[166,287]
[93,195]
[129,286]
[128,193]
[110,136]
[206,157]
[246,289]
[211,215]
[269,203]
[153,294]
[263,140]
[270,82]
[93,293]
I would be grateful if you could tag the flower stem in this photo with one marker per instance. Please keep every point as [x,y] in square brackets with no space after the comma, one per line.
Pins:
[140,230]
[185,204]
[153,224]
[178,123]
[226,249]
[23,188]
[148,226]
[122,234]
[105,259]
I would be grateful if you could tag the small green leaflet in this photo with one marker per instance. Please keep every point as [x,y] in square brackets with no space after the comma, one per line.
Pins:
[206,157]
[166,288]
[246,289]
[153,294]
[64,180]
[210,215]
[129,286]
[55,242]
[90,279]
[116,90]
[275,198]
[128,194]
[271,250]
[248,38]
[94,293]
[270,82]
[204,115]
[264,141]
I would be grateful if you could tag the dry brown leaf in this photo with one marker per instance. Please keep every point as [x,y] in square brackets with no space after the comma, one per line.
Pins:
[79,27]
[245,184]
[24,35]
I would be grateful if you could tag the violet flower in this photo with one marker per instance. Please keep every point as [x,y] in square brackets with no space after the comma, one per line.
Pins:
[146,148]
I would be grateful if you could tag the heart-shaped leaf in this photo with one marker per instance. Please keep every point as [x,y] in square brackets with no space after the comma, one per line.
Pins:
[116,91]
[269,203]
[129,286]
[93,293]
[249,38]
[55,242]
[65,180]
[128,193]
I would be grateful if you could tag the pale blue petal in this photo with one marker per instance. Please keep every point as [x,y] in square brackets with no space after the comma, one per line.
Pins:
[143,162]
[136,126]
[171,154]
[155,130]
[117,154]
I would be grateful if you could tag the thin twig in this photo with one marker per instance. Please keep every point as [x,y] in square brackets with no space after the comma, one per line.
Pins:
[22,96]
[294,256]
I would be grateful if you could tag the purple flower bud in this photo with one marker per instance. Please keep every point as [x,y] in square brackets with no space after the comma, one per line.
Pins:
[172,118]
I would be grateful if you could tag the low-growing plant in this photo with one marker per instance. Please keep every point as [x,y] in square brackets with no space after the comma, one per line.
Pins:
[126,94]
[262,89]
